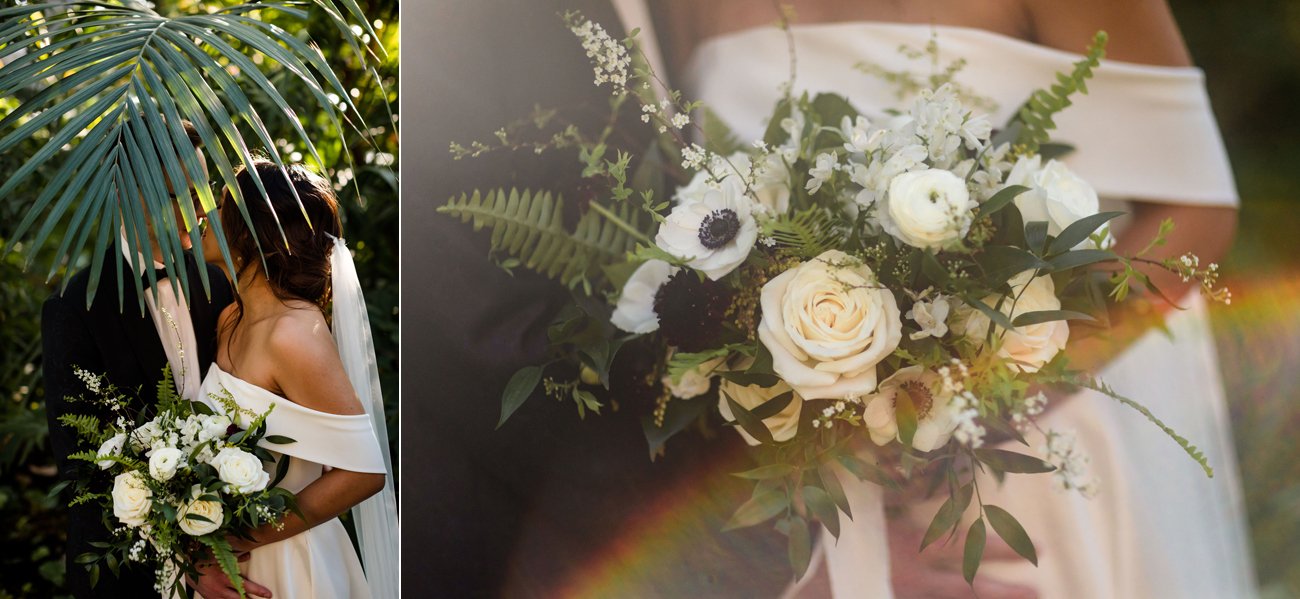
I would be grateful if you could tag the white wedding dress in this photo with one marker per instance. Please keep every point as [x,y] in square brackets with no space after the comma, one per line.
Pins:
[1158,527]
[319,563]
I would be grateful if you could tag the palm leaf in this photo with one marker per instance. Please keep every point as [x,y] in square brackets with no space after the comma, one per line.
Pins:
[106,85]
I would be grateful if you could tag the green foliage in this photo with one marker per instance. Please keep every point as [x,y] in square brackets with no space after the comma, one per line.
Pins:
[806,233]
[529,227]
[1035,116]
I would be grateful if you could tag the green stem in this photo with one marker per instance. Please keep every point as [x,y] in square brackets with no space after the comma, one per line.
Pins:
[620,223]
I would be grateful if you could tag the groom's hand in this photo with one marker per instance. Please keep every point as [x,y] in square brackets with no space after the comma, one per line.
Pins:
[212,583]
[936,572]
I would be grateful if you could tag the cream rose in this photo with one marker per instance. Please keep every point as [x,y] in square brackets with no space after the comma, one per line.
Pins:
[1055,195]
[210,511]
[827,324]
[936,412]
[164,462]
[113,446]
[783,426]
[1031,346]
[241,471]
[132,498]
[928,208]
[635,311]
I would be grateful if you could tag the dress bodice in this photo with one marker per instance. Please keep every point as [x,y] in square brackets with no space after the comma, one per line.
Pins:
[1142,132]
[321,439]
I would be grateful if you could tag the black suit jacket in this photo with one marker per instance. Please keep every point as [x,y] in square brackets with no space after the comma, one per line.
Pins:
[546,502]
[121,342]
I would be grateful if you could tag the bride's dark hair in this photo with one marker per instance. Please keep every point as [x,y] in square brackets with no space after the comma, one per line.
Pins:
[297,262]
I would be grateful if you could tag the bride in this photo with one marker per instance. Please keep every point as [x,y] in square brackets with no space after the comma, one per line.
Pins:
[1145,137]
[275,349]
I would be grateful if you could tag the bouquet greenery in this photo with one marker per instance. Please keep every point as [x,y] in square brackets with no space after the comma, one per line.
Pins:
[855,298]
[182,481]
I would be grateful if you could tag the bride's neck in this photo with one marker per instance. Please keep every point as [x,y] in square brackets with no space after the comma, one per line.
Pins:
[257,295]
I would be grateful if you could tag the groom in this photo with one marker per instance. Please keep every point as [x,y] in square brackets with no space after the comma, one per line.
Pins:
[131,348]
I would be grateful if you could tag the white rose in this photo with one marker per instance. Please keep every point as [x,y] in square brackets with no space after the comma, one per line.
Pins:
[928,208]
[132,499]
[1031,346]
[931,316]
[241,471]
[695,382]
[1055,195]
[936,413]
[214,427]
[209,510]
[714,234]
[635,311]
[783,426]
[113,446]
[827,324]
[164,462]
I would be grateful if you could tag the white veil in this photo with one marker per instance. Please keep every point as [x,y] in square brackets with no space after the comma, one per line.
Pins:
[375,518]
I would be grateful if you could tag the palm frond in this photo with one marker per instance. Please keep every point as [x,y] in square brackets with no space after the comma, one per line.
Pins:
[107,86]
[529,227]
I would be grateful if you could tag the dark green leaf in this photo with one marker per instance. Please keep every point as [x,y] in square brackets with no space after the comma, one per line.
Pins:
[949,515]
[831,483]
[905,411]
[760,508]
[748,421]
[1039,316]
[279,439]
[1001,199]
[1077,258]
[799,548]
[867,471]
[680,413]
[518,388]
[1012,532]
[1080,230]
[765,472]
[1001,262]
[974,552]
[1010,461]
[773,406]
[1036,236]
[824,508]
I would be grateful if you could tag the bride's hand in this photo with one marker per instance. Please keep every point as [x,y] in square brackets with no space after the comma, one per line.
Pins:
[212,583]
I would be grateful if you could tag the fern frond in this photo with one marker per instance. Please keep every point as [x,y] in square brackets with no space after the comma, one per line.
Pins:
[529,227]
[807,233]
[1194,452]
[1035,116]
[86,425]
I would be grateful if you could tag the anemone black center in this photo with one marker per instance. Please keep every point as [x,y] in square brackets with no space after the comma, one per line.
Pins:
[719,228]
[922,399]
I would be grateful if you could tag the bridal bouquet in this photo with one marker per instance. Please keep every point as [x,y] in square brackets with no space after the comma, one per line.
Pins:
[869,298]
[182,481]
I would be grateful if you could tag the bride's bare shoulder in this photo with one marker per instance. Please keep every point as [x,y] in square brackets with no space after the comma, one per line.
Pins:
[307,365]
[1141,31]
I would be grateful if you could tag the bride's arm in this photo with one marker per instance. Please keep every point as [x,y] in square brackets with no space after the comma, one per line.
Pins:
[309,373]
[1144,32]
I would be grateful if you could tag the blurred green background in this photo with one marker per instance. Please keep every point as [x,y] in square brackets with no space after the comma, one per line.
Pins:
[1250,51]
[31,525]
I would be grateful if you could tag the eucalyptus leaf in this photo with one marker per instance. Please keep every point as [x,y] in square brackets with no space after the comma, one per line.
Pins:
[1010,461]
[1012,532]
[949,514]
[974,551]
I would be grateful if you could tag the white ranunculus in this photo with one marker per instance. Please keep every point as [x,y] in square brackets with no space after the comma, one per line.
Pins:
[635,311]
[210,510]
[144,435]
[163,463]
[241,471]
[113,446]
[931,316]
[1028,347]
[214,427]
[714,234]
[783,426]
[929,208]
[827,324]
[695,382]
[132,498]
[936,413]
[1055,195]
